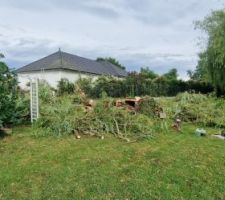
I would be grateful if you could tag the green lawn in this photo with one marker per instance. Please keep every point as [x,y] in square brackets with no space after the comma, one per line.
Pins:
[171,166]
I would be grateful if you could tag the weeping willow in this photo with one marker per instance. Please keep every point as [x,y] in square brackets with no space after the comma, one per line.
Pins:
[214,55]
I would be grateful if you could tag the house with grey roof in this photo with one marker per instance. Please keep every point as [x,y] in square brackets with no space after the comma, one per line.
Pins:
[61,65]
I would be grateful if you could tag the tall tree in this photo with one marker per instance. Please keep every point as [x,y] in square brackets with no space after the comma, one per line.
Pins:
[111,60]
[148,73]
[213,60]
[171,74]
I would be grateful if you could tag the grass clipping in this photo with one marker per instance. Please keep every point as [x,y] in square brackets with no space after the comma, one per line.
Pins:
[197,109]
[67,115]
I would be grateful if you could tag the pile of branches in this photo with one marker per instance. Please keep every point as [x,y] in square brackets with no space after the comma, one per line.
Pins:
[68,115]
[150,107]
[198,108]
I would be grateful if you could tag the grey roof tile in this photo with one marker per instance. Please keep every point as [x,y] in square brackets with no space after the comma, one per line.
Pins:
[63,60]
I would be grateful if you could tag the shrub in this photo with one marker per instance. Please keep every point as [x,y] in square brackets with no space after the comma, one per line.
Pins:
[8,84]
[46,93]
[22,108]
[65,87]
[86,85]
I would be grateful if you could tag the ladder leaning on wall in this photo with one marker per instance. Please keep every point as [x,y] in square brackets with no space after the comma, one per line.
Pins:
[34,101]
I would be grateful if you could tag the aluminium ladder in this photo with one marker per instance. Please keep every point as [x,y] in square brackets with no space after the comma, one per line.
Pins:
[34,102]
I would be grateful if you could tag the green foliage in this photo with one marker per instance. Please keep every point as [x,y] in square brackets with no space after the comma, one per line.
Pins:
[200,73]
[171,75]
[149,107]
[46,93]
[140,84]
[111,60]
[111,86]
[8,85]
[14,104]
[56,117]
[86,84]
[196,108]
[193,98]
[146,72]
[212,59]
[65,87]
[21,114]
[65,116]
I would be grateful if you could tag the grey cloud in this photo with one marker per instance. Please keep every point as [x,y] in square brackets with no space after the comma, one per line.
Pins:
[24,51]
[103,12]
[27,5]
[158,34]
[160,12]
[87,6]
[166,12]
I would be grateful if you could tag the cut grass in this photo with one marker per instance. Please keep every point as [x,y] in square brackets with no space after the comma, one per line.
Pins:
[171,166]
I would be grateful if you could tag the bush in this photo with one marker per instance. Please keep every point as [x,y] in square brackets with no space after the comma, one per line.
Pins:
[8,84]
[86,85]
[14,104]
[46,93]
[22,109]
[65,87]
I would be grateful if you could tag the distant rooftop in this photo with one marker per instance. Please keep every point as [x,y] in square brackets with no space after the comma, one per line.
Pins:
[63,60]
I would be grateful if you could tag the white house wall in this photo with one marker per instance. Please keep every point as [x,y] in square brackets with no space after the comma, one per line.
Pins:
[51,76]
[74,76]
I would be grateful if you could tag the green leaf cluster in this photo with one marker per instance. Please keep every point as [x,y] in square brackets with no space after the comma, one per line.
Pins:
[212,60]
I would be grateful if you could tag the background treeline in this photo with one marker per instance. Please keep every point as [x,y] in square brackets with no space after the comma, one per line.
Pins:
[143,83]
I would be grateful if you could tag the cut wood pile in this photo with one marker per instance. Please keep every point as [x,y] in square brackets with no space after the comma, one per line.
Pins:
[146,105]
[80,115]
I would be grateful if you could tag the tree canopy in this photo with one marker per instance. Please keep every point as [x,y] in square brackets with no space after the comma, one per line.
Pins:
[8,84]
[148,73]
[114,61]
[171,74]
[200,73]
[212,60]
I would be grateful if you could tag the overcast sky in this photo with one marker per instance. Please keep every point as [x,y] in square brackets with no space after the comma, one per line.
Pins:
[155,33]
